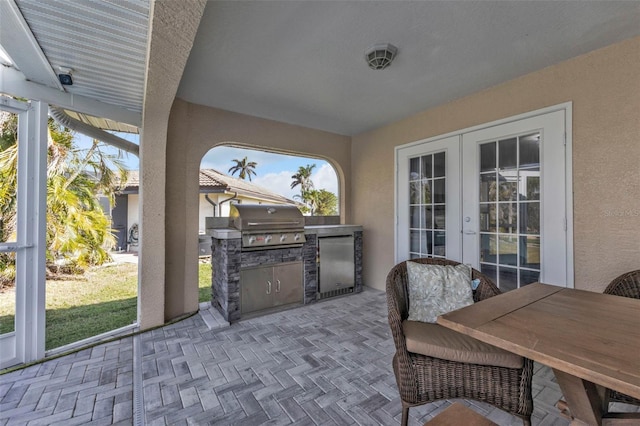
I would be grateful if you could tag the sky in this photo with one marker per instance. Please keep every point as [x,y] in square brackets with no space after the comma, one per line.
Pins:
[273,171]
[131,161]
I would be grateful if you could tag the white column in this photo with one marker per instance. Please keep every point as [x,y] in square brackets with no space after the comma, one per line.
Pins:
[31,215]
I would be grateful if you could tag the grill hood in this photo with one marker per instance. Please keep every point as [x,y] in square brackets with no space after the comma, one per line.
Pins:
[265,217]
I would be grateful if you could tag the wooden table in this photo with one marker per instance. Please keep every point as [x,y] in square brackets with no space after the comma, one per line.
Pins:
[590,340]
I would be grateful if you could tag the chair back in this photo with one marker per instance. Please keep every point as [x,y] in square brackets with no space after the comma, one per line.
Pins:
[626,285]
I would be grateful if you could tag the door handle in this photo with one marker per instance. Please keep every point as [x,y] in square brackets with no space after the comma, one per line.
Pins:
[468,232]
[277,286]
[268,287]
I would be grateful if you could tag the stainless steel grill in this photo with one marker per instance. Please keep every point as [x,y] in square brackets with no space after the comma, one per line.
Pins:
[268,226]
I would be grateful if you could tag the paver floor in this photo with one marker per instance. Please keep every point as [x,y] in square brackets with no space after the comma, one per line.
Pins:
[323,364]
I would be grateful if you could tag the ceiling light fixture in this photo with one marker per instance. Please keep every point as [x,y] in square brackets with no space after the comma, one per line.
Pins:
[380,56]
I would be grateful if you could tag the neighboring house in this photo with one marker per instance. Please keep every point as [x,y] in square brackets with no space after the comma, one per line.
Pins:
[217,192]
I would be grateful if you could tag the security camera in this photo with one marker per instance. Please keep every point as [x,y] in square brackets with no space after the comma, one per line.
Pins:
[65,75]
[65,79]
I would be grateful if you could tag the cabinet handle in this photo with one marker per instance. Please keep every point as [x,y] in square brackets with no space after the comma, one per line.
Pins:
[268,287]
[278,286]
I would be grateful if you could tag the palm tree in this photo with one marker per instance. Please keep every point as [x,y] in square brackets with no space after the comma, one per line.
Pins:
[303,178]
[307,192]
[244,167]
[319,202]
[8,129]
[77,228]
[325,203]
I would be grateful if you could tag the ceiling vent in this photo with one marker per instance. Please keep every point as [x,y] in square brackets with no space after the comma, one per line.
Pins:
[380,56]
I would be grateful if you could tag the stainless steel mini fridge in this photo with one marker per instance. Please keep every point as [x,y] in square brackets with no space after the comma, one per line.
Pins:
[336,266]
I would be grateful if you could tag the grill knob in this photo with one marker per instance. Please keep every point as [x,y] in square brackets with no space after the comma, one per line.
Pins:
[252,240]
[296,237]
[283,237]
[267,238]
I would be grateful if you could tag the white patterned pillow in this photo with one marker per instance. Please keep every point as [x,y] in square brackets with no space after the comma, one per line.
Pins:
[437,289]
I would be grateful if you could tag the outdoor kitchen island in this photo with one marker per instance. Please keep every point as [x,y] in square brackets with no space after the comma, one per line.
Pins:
[251,281]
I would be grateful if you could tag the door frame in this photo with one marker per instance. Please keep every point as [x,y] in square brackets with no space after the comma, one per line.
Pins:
[451,146]
[567,108]
[27,342]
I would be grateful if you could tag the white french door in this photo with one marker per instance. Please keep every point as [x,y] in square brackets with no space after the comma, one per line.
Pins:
[496,197]
[514,212]
[429,196]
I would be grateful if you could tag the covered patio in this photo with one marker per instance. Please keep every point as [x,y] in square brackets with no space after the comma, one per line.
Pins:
[327,364]
[291,77]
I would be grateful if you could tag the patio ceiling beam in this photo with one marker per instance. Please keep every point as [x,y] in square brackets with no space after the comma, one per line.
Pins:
[13,82]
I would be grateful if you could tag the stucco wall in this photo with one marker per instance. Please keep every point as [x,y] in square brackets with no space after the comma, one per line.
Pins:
[172,31]
[193,130]
[604,87]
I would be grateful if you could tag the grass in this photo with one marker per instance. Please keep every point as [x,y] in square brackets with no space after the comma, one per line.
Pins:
[105,300]
[204,282]
[102,300]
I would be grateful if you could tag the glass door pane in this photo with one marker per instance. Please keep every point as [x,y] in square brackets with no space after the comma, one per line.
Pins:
[428,207]
[509,206]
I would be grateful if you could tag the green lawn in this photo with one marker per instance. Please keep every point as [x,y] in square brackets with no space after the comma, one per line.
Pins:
[102,300]
[204,282]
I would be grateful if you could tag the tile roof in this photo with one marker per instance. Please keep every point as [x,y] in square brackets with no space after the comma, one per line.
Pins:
[211,179]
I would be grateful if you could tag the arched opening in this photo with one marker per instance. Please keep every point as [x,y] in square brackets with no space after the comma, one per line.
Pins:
[234,174]
[205,128]
[271,257]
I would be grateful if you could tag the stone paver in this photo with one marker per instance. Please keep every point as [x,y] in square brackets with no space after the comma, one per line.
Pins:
[320,364]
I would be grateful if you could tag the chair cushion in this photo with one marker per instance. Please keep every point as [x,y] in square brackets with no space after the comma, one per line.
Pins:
[437,289]
[440,342]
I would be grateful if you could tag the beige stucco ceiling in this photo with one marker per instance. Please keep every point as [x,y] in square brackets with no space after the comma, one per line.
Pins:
[301,62]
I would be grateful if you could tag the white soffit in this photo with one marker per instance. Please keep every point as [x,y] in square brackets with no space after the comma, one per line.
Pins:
[103,41]
[102,123]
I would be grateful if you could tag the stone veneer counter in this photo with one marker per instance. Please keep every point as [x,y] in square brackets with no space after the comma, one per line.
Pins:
[228,259]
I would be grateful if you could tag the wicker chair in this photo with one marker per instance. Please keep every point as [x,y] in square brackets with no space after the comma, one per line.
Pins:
[626,285]
[422,379]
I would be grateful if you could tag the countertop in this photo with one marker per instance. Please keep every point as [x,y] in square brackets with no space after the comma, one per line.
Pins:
[320,230]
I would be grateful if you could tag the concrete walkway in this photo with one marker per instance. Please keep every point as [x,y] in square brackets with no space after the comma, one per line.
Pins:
[324,364]
[124,257]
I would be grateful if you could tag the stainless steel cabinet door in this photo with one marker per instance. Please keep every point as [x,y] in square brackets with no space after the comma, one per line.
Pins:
[256,289]
[287,283]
